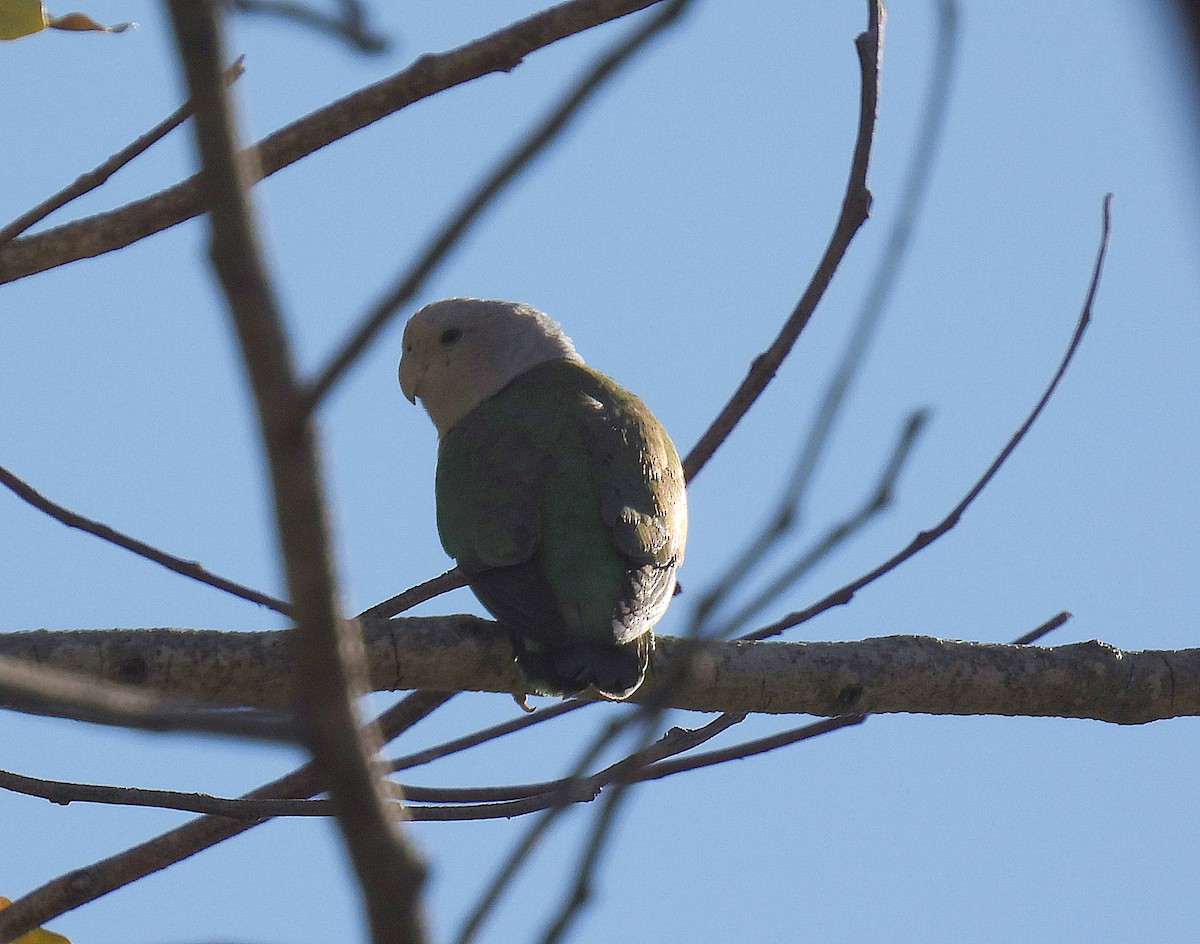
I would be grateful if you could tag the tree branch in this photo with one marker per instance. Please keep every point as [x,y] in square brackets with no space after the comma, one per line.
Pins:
[179,565]
[60,693]
[845,594]
[327,651]
[501,51]
[879,675]
[789,513]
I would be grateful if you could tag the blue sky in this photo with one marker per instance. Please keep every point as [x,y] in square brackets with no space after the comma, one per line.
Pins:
[670,231]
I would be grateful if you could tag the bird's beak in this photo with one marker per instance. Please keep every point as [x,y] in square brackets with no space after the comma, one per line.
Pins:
[410,379]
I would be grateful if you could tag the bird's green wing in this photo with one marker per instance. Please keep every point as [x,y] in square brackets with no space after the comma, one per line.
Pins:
[639,479]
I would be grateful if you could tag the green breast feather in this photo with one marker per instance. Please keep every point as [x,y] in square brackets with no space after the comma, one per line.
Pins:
[562,500]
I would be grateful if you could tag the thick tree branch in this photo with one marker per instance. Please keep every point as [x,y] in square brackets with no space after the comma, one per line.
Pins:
[880,675]
[501,51]
[328,656]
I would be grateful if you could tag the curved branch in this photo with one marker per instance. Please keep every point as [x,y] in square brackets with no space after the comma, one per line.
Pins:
[789,513]
[855,207]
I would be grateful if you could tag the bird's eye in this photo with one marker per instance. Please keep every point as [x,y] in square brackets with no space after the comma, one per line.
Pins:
[451,335]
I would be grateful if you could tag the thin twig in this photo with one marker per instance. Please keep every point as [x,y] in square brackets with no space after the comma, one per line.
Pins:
[443,583]
[86,884]
[436,250]
[1057,620]
[98,176]
[64,792]
[855,207]
[501,51]
[422,592]
[846,593]
[350,25]
[445,749]
[179,565]
[748,748]
[329,659]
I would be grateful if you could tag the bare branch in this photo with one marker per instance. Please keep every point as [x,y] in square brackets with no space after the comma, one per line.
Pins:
[1029,638]
[883,674]
[501,51]
[97,177]
[107,875]
[186,568]
[64,792]
[667,768]
[408,761]
[855,207]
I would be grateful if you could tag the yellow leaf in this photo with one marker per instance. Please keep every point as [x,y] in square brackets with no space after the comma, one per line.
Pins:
[39,936]
[21,17]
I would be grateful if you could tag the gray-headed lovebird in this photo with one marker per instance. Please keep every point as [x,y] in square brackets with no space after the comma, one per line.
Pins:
[559,493]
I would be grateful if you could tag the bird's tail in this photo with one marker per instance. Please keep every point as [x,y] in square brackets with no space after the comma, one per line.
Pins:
[614,671]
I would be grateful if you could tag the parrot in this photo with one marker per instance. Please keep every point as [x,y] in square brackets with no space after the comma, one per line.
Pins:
[559,494]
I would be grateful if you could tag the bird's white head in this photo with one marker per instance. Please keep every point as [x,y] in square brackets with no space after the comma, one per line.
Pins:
[460,351]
